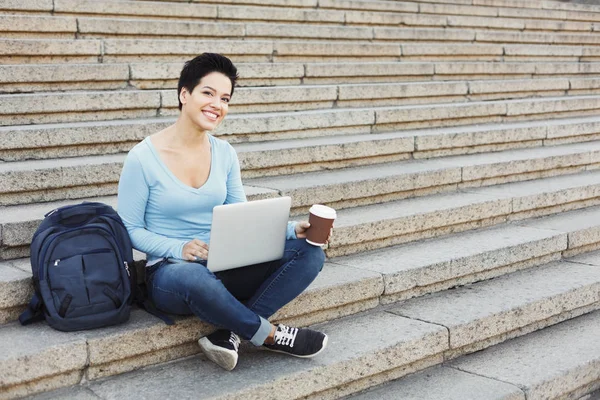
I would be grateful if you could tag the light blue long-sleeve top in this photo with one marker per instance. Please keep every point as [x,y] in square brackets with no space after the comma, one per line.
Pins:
[161,213]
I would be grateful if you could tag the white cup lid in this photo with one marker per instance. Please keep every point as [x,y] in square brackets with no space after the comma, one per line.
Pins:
[323,211]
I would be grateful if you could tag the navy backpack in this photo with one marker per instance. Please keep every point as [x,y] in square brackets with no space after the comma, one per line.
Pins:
[82,264]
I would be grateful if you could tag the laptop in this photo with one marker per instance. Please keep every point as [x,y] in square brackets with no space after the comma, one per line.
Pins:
[248,233]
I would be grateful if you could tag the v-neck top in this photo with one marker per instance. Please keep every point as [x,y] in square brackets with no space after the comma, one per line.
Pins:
[160,212]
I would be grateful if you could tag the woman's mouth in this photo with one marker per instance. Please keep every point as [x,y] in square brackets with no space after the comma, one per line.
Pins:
[210,115]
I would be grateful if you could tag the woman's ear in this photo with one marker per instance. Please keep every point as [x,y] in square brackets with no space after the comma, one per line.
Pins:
[183,95]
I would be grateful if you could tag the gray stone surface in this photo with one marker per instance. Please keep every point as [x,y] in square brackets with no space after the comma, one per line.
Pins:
[132,131]
[478,135]
[450,49]
[370,5]
[443,383]
[315,150]
[71,393]
[541,193]
[513,162]
[591,258]
[307,31]
[63,73]
[38,352]
[16,287]
[551,363]
[76,101]
[368,69]
[358,347]
[335,49]
[480,68]
[334,287]
[425,263]
[552,105]
[143,334]
[438,112]
[457,9]
[423,34]
[483,22]
[20,5]
[401,90]
[44,174]
[131,8]
[278,14]
[184,47]
[140,27]
[488,309]
[359,182]
[38,24]
[33,47]
[579,224]
[400,217]
[518,85]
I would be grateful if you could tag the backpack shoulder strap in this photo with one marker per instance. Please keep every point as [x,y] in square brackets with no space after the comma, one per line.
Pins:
[33,313]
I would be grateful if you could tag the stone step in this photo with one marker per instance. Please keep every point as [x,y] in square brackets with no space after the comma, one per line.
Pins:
[64,140]
[50,78]
[439,382]
[424,267]
[477,7]
[40,51]
[27,182]
[540,296]
[360,12]
[583,235]
[445,29]
[53,107]
[568,352]
[304,155]
[328,11]
[37,26]
[380,225]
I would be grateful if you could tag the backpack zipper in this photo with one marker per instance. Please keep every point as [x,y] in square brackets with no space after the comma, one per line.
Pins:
[97,251]
[43,252]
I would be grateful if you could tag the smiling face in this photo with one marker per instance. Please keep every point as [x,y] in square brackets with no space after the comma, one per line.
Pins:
[208,103]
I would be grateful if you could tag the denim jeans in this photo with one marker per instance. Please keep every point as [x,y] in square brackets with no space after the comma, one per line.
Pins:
[240,299]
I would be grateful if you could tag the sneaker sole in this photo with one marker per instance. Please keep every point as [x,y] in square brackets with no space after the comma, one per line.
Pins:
[299,356]
[226,359]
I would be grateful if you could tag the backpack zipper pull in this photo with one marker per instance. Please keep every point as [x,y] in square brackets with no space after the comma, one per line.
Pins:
[56,262]
[127,268]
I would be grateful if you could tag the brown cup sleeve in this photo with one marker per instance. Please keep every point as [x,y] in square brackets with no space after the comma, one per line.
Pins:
[319,229]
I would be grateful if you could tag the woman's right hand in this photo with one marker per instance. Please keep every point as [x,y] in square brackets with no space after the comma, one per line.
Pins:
[195,250]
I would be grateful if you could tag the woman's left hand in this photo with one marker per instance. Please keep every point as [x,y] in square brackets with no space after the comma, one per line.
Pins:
[301,228]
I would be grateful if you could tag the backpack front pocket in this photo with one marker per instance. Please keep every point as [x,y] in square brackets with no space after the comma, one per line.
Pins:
[67,284]
[103,277]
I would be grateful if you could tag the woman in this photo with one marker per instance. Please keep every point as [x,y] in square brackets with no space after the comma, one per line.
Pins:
[169,185]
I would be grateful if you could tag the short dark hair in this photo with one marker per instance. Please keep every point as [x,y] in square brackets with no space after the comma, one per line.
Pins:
[202,65]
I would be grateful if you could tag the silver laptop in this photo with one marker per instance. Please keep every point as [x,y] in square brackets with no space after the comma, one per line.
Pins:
[248,233]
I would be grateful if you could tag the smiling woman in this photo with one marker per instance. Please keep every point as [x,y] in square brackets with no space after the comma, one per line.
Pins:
[169,185]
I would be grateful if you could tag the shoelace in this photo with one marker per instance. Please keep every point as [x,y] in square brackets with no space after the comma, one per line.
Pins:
[285,335]
[234,340]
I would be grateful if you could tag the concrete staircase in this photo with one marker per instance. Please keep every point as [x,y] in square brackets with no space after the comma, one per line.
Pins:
[458,139]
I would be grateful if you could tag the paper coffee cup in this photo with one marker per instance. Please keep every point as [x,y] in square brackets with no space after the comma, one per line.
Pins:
[321,220]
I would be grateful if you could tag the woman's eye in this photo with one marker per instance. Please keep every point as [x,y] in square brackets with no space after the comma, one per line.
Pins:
[225,99]
[207,93]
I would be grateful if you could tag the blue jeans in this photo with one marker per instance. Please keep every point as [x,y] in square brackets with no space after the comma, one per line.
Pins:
[240,299]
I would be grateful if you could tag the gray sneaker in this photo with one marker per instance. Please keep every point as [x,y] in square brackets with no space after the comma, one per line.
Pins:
[221,347]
